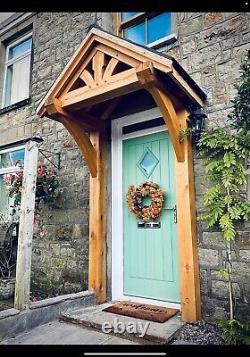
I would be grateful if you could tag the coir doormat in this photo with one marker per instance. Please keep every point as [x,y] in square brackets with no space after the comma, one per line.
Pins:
[142,311]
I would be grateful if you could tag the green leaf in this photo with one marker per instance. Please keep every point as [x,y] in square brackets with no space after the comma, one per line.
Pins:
[223,273]
[229,159]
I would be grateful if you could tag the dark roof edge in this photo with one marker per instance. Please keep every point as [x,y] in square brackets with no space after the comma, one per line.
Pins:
[202,94]
[189,79]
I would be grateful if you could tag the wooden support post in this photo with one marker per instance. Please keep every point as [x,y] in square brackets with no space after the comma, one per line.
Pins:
[169,115]
[187,235]
[97,222]
[24,250]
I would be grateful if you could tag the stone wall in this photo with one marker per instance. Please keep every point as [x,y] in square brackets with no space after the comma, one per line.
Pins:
[211,47]
[60,259]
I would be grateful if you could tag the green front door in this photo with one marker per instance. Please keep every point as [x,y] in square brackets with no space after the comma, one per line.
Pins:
[150,254]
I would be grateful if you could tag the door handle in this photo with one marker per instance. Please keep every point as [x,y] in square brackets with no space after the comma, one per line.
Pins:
[175,212]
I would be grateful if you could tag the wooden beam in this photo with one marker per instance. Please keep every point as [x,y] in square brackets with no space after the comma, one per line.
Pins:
[110,108]
[88,121]
[25,236]
[169,115]
[87,78]
[83,141]
[110,68]
[120,84]
[97,66]
[187,235]
[119,55]
[97,222]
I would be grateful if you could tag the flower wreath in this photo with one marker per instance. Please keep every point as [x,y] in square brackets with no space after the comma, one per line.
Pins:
[135,197]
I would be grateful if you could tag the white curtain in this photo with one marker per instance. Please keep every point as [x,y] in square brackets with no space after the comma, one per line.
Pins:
[20,80]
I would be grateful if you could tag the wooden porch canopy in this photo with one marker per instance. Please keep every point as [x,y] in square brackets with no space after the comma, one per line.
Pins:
[103,70]
[106,67]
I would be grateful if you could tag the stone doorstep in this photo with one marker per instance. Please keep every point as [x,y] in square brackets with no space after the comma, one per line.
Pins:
[94,317]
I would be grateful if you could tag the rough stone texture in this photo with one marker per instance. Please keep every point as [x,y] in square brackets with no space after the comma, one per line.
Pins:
[60,259]
[13,322]
[7,288]
[211,47]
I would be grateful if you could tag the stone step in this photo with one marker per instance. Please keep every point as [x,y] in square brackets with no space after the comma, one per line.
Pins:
[94,317]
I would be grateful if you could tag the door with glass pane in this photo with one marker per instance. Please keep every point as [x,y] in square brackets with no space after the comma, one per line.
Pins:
[150,254]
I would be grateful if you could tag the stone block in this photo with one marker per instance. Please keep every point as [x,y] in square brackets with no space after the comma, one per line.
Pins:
[42,316]
[212,18]
[64,232]
[213,240]
[240,272]
[246,293]
[244,255]
[204,281]
[208,257]
[220,289]
[242,239]
[191,26]
[13,325]
[8,313]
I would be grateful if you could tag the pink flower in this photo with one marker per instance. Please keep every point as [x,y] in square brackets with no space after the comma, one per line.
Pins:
[41,171]
[43,232]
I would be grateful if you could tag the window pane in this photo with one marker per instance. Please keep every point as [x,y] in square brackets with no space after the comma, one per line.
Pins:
[8,86]
[17,81]
[158,27]
[4,200]
[17,50]
[128,15]
[10,159]
[136,34]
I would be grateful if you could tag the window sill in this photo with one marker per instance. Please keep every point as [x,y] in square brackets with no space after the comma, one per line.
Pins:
[163,41]
[17,105]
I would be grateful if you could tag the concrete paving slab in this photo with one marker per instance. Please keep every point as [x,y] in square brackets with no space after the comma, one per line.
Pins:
[59,333]
[156,333]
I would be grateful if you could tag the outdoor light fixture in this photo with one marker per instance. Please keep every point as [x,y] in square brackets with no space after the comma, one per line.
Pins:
[197,121]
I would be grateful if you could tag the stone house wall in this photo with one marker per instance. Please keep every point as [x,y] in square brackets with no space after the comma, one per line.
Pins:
[210,47]
[60,259]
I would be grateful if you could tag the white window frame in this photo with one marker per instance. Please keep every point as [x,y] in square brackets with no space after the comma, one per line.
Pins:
[173,36]
[13,60]
[10,170]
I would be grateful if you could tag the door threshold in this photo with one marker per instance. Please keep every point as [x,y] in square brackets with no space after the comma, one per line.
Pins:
[149,301]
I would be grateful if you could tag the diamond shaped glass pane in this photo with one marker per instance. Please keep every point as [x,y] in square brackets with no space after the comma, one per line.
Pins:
[148,162]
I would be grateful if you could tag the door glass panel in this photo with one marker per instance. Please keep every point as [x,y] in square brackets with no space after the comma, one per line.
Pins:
[158,27]
[136,34]
[148,162]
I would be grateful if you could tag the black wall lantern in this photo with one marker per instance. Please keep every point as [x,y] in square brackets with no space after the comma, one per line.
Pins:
[197,122]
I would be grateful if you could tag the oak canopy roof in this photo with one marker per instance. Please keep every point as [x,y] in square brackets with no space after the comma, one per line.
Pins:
[117,50]
[103,70]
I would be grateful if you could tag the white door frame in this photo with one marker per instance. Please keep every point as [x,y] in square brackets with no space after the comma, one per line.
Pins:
[117,211]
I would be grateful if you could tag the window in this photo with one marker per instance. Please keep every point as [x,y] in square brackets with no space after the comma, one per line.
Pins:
[10,161]
[17,71]
[150,29]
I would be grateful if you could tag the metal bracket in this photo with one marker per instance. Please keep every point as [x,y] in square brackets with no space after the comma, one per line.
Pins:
[58,166]
[175,212]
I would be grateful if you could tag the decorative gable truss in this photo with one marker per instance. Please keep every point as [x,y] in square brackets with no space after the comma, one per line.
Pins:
[103,70]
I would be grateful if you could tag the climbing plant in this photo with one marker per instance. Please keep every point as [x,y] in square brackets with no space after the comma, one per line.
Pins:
[225,153]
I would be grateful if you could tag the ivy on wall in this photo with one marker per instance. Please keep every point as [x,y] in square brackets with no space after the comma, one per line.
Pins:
[225,154]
